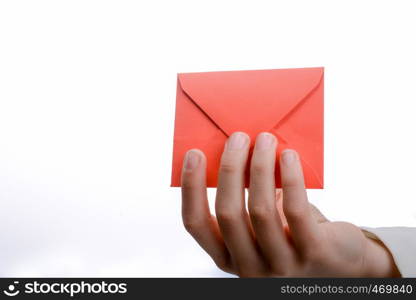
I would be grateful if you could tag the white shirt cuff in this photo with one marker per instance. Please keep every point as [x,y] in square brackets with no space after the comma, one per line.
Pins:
[401,242]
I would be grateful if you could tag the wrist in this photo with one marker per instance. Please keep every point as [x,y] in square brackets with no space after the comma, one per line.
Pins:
[378,261]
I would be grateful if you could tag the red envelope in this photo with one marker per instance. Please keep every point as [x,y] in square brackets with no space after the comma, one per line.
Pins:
[211,106]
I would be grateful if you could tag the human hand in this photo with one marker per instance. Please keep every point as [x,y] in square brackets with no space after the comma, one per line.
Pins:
[281,234]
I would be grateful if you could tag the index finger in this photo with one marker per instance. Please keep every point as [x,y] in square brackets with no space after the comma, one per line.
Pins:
[196,216]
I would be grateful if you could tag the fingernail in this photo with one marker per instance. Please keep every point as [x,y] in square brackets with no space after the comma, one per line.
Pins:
[237,141]
[192,160]
[288,156]
[265,141]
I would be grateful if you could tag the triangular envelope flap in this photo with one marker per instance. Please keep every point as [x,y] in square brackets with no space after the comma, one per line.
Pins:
[249,101]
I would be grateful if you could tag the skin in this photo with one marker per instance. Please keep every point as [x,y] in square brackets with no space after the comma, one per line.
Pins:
[280,234]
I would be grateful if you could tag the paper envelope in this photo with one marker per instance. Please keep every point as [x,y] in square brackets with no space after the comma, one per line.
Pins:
[288,103]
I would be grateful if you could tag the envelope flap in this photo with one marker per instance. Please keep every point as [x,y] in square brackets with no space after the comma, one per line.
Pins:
[249,101]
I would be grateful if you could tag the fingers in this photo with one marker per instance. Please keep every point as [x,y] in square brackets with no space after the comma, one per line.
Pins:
[304,228]
[231,241]
[195,209]
[262,203]
[230,206]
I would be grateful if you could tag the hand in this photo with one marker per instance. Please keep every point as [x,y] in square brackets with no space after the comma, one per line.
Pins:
[281,234]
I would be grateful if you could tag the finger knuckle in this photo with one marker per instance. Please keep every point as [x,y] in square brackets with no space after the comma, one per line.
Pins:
[229,167]
[227,216]
[192,225]
[295,213]
[284,266]
[187,185]
[260,213]
[259,169]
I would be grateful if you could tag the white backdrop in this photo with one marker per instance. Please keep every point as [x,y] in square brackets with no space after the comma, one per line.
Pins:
[87,95]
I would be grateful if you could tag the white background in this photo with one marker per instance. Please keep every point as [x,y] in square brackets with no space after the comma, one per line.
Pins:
[87,94]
